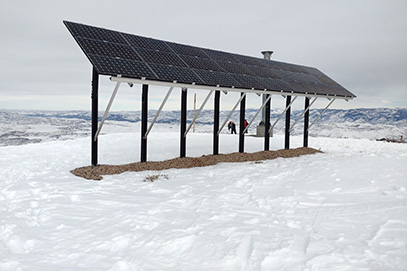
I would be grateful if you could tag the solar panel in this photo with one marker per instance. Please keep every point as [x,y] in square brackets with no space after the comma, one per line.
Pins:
[132,69]
[173,73]
[187,50]
[212,78]
[113,50]
[201,63]
[159,57]
[114,53]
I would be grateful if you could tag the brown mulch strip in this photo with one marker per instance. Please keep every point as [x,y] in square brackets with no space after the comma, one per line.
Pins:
[96,173]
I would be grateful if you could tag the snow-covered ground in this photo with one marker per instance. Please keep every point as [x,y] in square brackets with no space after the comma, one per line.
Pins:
[345,209]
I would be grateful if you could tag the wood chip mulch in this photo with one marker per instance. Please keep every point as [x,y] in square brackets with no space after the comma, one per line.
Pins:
[96,173]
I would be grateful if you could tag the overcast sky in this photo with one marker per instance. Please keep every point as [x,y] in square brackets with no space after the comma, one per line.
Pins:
[360,44]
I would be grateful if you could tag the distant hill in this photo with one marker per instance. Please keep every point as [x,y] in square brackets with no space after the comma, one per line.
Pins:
[21,127]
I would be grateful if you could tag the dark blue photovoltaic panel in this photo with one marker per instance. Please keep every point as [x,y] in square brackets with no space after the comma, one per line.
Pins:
[262,71]
[234,68]
[147,43]
[217,78]
[222,56]
[247,60]
[164,58]
[114,53]
[187,50]
[126,68]
[173,73]
[201,63]
[90,32]
[108,49]
[248,81]
[278,85]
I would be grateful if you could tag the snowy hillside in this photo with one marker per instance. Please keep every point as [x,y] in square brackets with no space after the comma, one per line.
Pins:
[341,210]
[22,127]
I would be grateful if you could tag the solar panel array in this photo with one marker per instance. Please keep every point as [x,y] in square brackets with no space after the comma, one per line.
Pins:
[115,53]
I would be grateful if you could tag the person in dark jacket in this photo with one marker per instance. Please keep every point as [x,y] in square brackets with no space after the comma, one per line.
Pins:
[233,128]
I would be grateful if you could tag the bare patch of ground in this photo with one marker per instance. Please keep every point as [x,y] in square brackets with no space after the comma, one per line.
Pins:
[96,173]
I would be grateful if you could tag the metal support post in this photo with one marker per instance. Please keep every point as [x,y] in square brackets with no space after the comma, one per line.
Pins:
[216,123]
[287,122]
[144,117]
[94,97]
[242,119]
[267,124]
[183,122]
[306,120]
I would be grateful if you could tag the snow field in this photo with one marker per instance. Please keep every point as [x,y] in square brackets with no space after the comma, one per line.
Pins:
[345,209]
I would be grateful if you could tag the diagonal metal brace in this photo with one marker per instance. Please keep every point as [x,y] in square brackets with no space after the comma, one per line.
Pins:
[302,114]
[285,110]
[199,111]
[231,112]
[158,112]
[255,115]
[107,110]
[321,114]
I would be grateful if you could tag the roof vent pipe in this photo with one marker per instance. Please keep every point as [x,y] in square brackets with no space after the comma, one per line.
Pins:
[267,54]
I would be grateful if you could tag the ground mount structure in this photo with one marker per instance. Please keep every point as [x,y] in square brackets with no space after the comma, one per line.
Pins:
[133,59]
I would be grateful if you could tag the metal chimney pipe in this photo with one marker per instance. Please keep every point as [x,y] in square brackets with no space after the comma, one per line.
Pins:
[266,55]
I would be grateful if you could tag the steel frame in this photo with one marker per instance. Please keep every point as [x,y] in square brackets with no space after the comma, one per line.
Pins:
[243,92]
[225,89]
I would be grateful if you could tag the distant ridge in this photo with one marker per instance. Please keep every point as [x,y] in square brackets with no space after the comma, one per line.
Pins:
[34,126]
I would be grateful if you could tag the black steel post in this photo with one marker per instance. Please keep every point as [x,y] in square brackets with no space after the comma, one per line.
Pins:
[287,123]
[183,122]
[216,123]
[306,122]
[144,118]
[267,124]
[94,97]
[241,124]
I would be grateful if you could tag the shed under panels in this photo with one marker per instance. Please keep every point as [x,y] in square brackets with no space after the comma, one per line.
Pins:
[139,60]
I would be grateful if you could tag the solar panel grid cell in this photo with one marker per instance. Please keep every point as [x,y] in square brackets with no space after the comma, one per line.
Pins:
[125,68]
[249,81]
[158,57]
[217,78]
[95,33]
[201,63]
[262,72]
[218,55]
[147,43]
[108,49]
[186,50]
[252,61]
[173,73]
[234,68]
